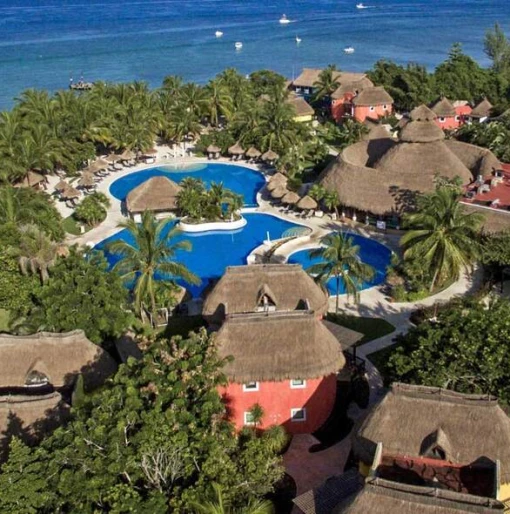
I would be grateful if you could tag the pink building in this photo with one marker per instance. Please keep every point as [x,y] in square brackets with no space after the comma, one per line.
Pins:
[450,116]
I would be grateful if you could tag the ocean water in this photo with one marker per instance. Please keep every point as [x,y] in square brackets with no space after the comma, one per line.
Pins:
[45,42]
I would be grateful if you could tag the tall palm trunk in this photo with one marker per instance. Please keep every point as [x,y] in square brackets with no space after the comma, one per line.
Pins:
[337,292]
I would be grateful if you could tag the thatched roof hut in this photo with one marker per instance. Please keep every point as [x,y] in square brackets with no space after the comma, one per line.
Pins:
[350,83]
[384,176]
[307,203]
[157,194]
[112,158]
[86,180]
[373,96]
[377,132]
[471,426]
[380,496]
[291,198]
[482,109]
[269,156]
[57,357]
[102,164]
[244,289]
[422,113]
[253,153]
[443,107]
[61,186]
[32,179]
[279,192]
[309,77]
[273,346]
[70,193]
[236,149]
[301,106]
[278,178]
[127,155]
[213,149]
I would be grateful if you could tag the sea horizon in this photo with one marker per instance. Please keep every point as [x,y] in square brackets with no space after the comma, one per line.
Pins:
[45,43]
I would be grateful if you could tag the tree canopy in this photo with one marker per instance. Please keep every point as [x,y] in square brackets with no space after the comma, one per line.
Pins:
[154,439]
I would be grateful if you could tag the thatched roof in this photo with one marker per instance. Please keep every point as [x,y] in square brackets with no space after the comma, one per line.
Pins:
[482,109]
[102,164]
[345,336]
[373,96]
[127,155]
[236,149]
[383,176]
[377,132]
[347,85]
[61,185]
[443,107]
[112,158]
[253,153]
[404,420]
[157,194]
[213,149]
[301,106]
[309,76]
[276,346]
[32,178]
[58,356]
[28,416]
[291,198]
[380,496]
[307,203]
[70,193]
[86,180]
[422,113]
[270,156]
[278,178]
[495,220]
[279,192]
[239,290]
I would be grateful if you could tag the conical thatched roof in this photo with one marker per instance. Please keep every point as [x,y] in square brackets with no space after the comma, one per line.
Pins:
[421,132]
[158,194]
[443,107]
[377,132]
[253,153]
[270,156]
[70,193]
[213,149]
[127,155]
[291,198]
[32,178]
[408,416]
[274,347]
[307,203]
[379,496]
[236,149]
[60,357]
[112,158]
[239,290]
[373,96]
[86,180]
[278,178]
[61,185]
[279,192]
[482,109]
[422,113]
[102,164]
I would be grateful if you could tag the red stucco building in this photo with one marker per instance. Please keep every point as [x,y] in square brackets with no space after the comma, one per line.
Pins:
[451,115]
[282,355]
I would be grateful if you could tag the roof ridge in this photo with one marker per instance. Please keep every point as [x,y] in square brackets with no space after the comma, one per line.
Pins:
[439,393]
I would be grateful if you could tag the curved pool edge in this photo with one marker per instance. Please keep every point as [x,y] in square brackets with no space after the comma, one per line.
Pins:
[218,226]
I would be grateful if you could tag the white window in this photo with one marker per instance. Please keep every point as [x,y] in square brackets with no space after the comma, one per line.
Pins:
[297,384]
[372,108]
[385,107]
[250,386]
[248,418]
[441,119]
[298,415]
[457,118]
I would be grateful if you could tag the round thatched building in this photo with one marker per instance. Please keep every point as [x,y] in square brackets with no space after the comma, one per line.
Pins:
[384,176]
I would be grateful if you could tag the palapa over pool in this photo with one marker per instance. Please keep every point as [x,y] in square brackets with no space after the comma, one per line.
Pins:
[443,107]
[158,194]
[241,289]
[274,346]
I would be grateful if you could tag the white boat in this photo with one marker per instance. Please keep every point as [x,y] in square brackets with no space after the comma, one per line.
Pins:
[349,50]
[298,40]
[218,33]
[361,6]
[284,20]
[238,45]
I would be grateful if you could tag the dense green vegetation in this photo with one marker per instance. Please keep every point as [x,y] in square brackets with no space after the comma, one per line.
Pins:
[154,439]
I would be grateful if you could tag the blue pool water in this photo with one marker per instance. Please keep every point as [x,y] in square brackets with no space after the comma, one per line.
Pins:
[371,252]
[213,251]
[239,179]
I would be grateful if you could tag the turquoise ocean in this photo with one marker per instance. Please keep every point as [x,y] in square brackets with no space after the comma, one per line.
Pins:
[45,42]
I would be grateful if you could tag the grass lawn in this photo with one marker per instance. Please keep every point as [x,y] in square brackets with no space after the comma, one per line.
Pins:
[182,325]
[4,320]
[70,225]
[371,328]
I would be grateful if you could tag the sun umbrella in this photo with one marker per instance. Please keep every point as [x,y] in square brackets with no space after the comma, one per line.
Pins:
[213,149]
[61,186]
[291,198]
[307,203]
[127,155]
[253,153]
[86,180]
[279,192]
[112,158]
[236,149]
[270,156]
[70,193]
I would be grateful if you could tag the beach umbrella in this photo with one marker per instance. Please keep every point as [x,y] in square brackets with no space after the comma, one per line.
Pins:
[270,156]
[127,155]
[86,180]
[236,149]
[102,164]
[279,192]
[150,151]
[291,198]
[253,153]
[61,186]
[307,203]
[213,149]
[32,178]
[278,178]
[112,158]
[70,193]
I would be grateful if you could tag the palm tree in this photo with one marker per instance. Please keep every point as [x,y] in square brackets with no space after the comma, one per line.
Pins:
[340,260]
[317,192]
[219,505]
[219,101]
[150,256]
[443,237]
[235,203]
[331,200]
[327,83]
[37,252]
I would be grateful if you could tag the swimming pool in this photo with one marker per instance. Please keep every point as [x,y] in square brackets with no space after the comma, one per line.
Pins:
[213,251]
[371,252]
[241,180]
